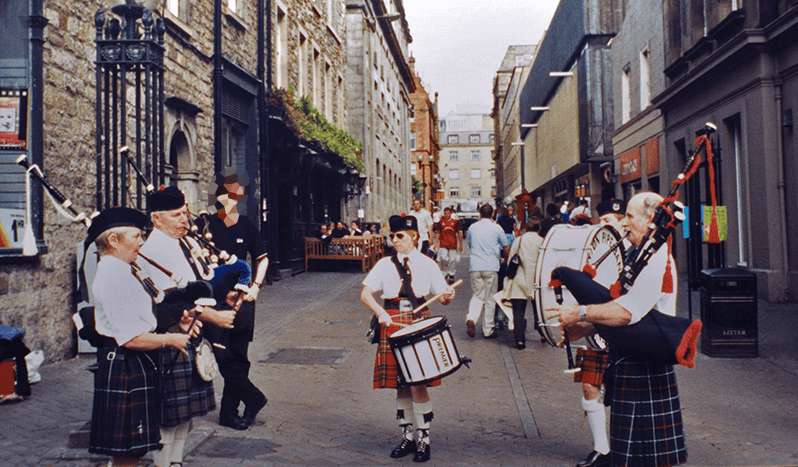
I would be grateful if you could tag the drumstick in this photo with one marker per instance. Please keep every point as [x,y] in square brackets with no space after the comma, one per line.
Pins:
[424,305]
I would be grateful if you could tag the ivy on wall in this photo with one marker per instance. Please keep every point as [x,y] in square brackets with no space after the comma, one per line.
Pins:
[307,123]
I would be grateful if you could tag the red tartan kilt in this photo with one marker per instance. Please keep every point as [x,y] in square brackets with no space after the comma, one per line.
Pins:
[385,368]
[593,364]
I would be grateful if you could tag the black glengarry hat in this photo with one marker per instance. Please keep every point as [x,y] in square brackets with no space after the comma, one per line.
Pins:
[398,223]
[115,217]
[612,206]
[166,200]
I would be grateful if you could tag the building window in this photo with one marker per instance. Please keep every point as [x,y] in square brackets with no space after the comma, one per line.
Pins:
[413,169]
[301,59]
[412,140]
[492,138]
[473,139]
[452,139]
[452,155]
[174,7]
[474,155]
[476,191]
[476,174]
[492,173]
[314,78]
[626,101]
[281,31]
[454,174]
[454,192]
[412,113]
[645,86]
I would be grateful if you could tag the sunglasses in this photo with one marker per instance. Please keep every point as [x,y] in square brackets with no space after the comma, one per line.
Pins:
[398,235]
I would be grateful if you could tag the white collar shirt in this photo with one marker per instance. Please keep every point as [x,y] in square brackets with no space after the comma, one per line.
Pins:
[646,293]
[426,276]
[167,252]
[123,308]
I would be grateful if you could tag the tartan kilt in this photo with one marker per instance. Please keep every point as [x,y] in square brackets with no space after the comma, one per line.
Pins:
[124,418]
[593,363]
[185,394]
[386,369]
[645,416]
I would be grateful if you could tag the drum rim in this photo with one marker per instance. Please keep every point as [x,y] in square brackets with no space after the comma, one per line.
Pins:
[593,231]
[441,323]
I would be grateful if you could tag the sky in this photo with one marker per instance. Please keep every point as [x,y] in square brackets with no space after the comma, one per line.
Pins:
[459,45]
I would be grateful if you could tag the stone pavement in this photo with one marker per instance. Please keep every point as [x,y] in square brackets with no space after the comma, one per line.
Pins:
[511,408]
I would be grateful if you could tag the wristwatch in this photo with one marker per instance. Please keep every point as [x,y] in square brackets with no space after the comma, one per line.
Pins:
[583,313]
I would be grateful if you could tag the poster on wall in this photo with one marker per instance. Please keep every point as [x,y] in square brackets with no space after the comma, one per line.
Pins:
[12,227]
[14,119]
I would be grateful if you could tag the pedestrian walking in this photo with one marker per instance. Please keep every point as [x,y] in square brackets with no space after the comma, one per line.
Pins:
[487,241]
[405,279]
[450,244]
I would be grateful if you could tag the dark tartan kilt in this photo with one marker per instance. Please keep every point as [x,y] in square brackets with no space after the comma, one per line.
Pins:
[645,416]
[185,394]
[593,363]
[124,418]
[385,366]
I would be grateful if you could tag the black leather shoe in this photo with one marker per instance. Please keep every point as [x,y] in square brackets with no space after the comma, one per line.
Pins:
[251,411]
[233,421]
[594,459]
[407,446]
[422,452]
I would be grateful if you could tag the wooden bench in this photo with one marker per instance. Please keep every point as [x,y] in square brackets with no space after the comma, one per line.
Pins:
[366,250]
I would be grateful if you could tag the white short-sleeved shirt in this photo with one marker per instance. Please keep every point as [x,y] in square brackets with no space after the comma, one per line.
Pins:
[424,219]
[646,293]
[167,252]
[123,307]
[426,276]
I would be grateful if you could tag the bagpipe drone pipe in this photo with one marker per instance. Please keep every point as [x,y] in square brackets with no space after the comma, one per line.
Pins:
[657,336]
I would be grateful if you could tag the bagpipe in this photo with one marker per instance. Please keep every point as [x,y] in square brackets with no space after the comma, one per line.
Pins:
[657,336]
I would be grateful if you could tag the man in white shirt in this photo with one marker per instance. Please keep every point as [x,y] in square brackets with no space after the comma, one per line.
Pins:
[645,410]
[425,224]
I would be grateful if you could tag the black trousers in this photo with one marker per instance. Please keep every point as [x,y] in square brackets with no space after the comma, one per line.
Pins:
[519,318]
[234,366]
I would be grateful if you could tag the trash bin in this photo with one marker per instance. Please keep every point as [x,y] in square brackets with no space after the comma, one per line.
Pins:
[729,313]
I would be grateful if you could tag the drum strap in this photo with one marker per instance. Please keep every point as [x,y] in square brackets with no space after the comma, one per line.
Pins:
[404,273]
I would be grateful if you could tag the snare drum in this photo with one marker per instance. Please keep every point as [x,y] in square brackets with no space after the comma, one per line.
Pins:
[573,247]
[425,351]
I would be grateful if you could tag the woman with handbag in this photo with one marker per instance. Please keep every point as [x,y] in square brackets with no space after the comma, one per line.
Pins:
[520,285]
[405,279]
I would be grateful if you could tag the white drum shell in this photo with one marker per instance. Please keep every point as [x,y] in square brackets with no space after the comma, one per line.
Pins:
[573,247]
[425,351]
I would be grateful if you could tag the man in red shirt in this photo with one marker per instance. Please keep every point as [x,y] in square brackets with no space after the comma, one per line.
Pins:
[450,244]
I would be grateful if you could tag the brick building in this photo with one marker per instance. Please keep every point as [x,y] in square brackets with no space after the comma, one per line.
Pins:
[424,143]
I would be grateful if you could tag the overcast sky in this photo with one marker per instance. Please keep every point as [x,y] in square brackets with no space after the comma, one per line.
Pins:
[459,44]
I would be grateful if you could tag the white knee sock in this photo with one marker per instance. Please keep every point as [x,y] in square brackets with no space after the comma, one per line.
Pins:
[423,412]
[404,413]
[181,433]
[163,457]
[597,419]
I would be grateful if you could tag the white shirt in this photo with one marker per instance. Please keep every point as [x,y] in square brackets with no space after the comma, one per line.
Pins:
[579,210]
[424,223]
[167,252]
[646,293]
[426,276]
[123,307]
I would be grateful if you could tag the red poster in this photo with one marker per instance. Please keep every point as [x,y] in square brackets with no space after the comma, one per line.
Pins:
[13,119]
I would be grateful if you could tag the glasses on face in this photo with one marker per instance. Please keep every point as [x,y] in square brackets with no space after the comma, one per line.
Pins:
[398,235]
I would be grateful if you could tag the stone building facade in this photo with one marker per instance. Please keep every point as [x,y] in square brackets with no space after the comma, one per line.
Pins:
[379,84]
[511,175]
[467,166]
[219,71]
[424,143]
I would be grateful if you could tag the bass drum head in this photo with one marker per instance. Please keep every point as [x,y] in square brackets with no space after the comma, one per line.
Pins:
[419,330]
[573,247]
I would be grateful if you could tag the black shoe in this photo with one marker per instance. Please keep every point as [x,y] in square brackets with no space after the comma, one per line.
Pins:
[233,421]
[407,446]
[520,345]
[251,411]
[594,459]
[422,452]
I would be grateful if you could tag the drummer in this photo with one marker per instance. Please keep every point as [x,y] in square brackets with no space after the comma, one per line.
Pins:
[414,408]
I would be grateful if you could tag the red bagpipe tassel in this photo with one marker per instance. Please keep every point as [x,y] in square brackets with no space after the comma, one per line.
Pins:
[667,278]
[714,235]
[685,353]
[555,283]
[615,290]
[589,269]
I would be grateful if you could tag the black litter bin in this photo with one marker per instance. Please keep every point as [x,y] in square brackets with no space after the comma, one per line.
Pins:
[729,313]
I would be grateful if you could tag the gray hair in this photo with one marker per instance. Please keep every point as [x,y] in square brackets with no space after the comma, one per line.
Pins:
[102,240]
[650,203]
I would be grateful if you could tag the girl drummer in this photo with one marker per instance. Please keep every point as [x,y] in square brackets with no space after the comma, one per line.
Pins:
[424,276]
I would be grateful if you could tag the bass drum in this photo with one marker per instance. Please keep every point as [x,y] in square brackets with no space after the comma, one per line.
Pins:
[574,246]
